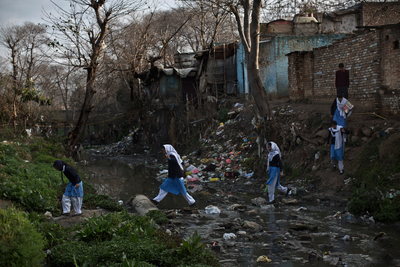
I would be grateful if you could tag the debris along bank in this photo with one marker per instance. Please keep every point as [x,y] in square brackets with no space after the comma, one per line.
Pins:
[311,225]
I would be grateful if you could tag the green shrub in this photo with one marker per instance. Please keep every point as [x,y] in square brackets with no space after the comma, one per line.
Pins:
[20,243]
[249,162]
[63,255]
[53,233]
[191,245]
[390,211]
[109,252]
[45,159]
[34,186]
[158,216]
[373,171]
[102,201]
[222,115]
[105,227]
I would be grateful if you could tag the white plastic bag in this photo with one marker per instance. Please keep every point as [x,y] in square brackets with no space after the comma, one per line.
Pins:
[228,236]
[210,209]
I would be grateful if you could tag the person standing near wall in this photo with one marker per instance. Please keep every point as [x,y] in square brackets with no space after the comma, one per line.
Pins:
[342,81]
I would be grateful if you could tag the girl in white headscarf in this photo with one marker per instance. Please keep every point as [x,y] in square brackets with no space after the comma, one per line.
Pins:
[339,112]
[174,183]
[74,190]
[275,169]
[336,139]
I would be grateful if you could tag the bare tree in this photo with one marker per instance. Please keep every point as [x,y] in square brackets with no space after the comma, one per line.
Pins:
[249,31]
[23,42]
[210,23]
[146,41]
[82,31]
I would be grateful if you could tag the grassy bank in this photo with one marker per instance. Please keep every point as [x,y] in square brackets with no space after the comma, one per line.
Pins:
[33,186]
[376,182]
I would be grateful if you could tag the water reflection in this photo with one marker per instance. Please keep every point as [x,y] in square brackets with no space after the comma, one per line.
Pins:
[119,180]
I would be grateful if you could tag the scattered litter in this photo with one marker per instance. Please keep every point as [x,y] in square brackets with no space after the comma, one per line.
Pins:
[289,201]
[263,259]
[301,208]
[259,201]
[238,207]
[347,238]
[381,234]
[228,236]
[210,209]
[48,215]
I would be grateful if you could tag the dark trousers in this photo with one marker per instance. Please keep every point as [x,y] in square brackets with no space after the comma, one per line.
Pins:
[343,91]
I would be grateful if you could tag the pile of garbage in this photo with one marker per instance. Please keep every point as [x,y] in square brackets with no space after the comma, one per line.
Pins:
[224,154]
[125,146]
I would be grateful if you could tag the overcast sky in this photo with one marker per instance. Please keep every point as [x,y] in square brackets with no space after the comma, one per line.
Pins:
[18,11]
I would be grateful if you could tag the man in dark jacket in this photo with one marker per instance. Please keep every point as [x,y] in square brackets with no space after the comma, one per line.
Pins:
[342,81]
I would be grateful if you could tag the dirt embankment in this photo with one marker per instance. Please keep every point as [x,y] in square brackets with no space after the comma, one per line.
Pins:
[308,152]
[301,132]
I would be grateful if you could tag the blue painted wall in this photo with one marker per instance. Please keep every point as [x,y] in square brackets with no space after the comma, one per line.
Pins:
[287,44]
[241,69]
[273,62]
[267,65]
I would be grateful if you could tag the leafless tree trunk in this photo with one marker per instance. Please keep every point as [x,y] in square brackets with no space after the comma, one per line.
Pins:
[86,51]
[250,36]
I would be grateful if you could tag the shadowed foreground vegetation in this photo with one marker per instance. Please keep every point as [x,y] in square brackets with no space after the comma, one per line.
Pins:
[29,181]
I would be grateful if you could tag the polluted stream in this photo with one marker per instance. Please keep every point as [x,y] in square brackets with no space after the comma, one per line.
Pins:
[307,233]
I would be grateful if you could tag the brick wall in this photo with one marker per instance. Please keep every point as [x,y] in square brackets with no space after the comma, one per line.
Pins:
[361,55]
[375,14]
[300,72]
[390,67]
[373,60]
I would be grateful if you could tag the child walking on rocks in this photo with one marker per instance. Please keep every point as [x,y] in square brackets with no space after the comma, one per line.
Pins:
[275,169]
[336,139]
[73,192]
[174,183]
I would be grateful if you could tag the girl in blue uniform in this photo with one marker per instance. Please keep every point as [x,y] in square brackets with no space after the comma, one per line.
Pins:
[275,169]
[74,191]
[336,139]
[174,183]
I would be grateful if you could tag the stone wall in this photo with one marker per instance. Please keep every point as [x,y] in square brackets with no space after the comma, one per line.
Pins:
[372,58]
[375,14]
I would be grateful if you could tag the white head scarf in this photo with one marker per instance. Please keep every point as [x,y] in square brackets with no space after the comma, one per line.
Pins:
[273,152]
[170,150]
[338,136]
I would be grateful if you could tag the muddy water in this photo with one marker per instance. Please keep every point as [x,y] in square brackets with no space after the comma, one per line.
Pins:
[304,234]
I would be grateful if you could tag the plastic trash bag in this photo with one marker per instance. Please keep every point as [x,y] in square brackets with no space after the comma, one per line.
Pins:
[210,209]
[228,236]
